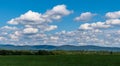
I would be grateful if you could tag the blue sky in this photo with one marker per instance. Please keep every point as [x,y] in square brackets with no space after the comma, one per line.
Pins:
[60,22]
[11,9]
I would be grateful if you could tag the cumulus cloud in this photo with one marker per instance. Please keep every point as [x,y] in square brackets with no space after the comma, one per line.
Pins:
[85,17]
[90,37]
[9,28]
[100,25]
[108,23]
[113,15]
[30,30]
[85,26]
[31,17]
[113,21]
[57,12]
[96,25]
[33,28]
[52,27]
[13,37]
[2,38]
[28,18]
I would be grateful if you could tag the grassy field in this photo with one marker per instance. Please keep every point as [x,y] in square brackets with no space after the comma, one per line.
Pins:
[61,60]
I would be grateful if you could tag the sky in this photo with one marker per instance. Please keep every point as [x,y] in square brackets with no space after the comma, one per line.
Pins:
[60,22]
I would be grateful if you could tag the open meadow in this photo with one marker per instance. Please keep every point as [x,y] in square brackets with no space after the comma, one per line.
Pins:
[60,60]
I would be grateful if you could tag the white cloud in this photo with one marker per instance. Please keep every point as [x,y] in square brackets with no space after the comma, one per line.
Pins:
[113,21]
[13,22]
[13,37]
[28,18]
[34,22]
[96,25]
[85,26]
[18,33]
[113,15]
[85,17]
[100,25]
[32,26]
[59,10]
[51,27]
[54,38]
[2,38]
[31,16]
[9,28]
[30,30]
[56,13]
[37,18]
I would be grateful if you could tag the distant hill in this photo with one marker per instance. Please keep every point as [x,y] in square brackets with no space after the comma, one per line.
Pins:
[63,47]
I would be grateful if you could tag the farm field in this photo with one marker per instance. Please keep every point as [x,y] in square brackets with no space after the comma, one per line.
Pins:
[60,60]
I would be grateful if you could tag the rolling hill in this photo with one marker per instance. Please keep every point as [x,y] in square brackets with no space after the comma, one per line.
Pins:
[63,47]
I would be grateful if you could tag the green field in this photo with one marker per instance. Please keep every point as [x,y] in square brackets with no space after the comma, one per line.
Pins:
[61,60]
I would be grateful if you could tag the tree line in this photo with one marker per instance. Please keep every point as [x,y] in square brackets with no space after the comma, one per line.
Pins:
[55,52]
[23,52]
